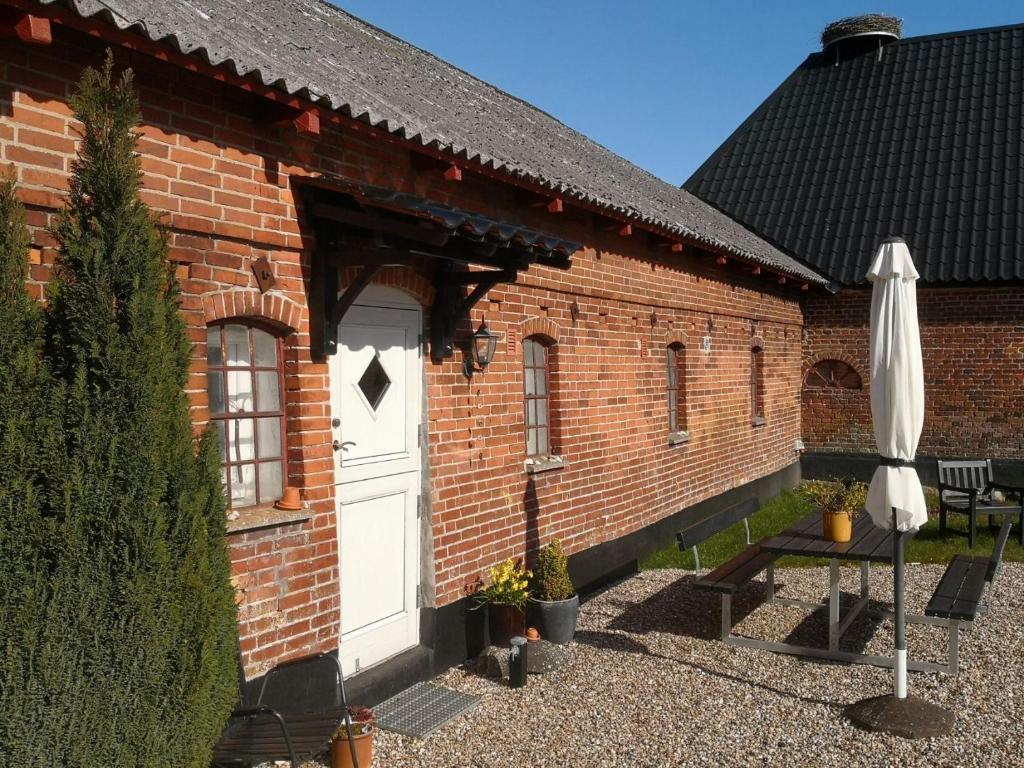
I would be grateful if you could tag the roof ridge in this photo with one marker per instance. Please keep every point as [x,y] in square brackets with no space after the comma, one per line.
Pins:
[958,33]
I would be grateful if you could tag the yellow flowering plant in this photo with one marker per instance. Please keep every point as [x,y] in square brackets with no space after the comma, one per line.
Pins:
[508,584]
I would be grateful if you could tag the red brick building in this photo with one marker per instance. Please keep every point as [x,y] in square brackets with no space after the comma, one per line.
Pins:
[339,234]
[921,137]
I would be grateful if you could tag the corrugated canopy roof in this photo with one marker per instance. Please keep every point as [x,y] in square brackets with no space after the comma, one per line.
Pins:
[312,49]
[925,141]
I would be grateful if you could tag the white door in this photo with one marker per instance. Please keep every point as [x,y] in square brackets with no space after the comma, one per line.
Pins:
[375,409]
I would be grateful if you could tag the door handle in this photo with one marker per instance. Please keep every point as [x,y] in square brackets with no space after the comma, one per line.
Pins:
[338,445]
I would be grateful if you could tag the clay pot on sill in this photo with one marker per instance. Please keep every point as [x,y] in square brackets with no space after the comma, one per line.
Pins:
[290,500]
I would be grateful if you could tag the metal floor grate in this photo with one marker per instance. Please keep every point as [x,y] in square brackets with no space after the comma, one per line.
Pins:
[422,709]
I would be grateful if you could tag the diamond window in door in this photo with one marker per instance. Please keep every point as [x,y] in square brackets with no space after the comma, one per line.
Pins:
[374,382]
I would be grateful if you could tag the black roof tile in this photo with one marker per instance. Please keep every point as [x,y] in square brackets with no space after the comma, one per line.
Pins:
[315,50]
[924,142]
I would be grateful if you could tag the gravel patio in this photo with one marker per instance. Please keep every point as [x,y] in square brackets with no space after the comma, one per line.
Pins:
[648,684]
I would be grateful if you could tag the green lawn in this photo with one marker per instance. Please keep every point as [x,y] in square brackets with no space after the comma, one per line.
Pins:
[926,547]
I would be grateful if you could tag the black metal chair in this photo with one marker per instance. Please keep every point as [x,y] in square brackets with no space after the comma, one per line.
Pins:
[963,486]
[293,717]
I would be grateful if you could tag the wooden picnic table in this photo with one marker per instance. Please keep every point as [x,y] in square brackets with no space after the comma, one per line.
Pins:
[868,544]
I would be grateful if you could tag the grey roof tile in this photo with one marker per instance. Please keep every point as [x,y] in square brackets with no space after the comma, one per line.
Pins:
[924,142]
[315,50]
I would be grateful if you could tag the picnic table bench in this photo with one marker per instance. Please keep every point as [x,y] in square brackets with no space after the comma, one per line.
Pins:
[953,606]
[958,595]
[702,530]
[963,486]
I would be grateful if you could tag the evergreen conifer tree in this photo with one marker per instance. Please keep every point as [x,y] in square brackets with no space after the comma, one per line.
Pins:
[133,659]
[23,530]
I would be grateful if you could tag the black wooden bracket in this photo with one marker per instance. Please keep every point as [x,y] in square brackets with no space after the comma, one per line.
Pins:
[336,306]
[327,308]
[450,306]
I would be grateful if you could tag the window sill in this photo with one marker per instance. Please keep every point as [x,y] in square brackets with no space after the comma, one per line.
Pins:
[758,421]
[678,438]
[266,516]
[548,463]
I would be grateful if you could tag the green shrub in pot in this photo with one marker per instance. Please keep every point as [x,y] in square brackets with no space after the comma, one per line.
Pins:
[554,605]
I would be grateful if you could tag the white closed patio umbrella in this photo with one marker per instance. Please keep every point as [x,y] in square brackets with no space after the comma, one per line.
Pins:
[895,498]
[897,388]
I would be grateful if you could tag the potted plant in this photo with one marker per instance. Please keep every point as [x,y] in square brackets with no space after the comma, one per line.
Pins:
[505,597]
[839,502]
[554,600]
[364,725]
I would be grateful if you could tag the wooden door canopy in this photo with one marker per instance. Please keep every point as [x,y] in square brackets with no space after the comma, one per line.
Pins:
[370,228]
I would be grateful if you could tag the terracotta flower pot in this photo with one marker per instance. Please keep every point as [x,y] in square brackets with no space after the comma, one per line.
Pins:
[341,755]
[290,499]
[505,622]
[836,527]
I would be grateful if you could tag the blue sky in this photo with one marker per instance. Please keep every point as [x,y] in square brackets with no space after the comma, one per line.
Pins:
[661,82]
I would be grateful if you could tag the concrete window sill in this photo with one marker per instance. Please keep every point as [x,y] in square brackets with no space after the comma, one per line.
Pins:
[266,516]
[758,421]
[547,464]
[678,438]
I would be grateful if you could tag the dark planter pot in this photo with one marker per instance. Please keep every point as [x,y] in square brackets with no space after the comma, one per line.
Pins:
[505,622]
[556,619]
[477,634]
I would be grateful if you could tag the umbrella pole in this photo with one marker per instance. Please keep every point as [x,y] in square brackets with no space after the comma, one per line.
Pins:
[900,667]
[897,713]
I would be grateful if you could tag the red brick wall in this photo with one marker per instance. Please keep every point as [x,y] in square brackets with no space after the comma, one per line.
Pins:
[973,344]
[223,183]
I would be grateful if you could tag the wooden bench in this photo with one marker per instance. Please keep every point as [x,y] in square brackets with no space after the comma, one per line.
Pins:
[727,578]
[293,716]
[958,597]
[962,487]
[701,531]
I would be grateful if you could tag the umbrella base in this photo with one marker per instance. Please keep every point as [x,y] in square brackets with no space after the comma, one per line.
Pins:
[909,718]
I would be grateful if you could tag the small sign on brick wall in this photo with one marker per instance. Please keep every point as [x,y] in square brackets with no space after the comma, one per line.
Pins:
[264,274]
[705,344]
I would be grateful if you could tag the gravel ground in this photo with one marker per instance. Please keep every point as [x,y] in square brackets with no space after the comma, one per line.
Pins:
[647,684]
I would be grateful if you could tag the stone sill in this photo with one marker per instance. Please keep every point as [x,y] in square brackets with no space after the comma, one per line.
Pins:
[678,438]
[758,421]
[266,516]
[534,466]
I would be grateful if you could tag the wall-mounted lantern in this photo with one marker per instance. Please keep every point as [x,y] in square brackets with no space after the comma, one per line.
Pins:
[482,346]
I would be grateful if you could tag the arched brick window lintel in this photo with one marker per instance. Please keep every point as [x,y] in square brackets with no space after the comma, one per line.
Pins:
[676,338]
[279,312]
[543,328]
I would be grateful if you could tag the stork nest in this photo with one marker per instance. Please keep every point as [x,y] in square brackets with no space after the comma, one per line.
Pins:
[859,25]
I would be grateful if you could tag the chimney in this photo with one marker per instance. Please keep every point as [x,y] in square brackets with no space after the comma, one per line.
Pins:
[856,35]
